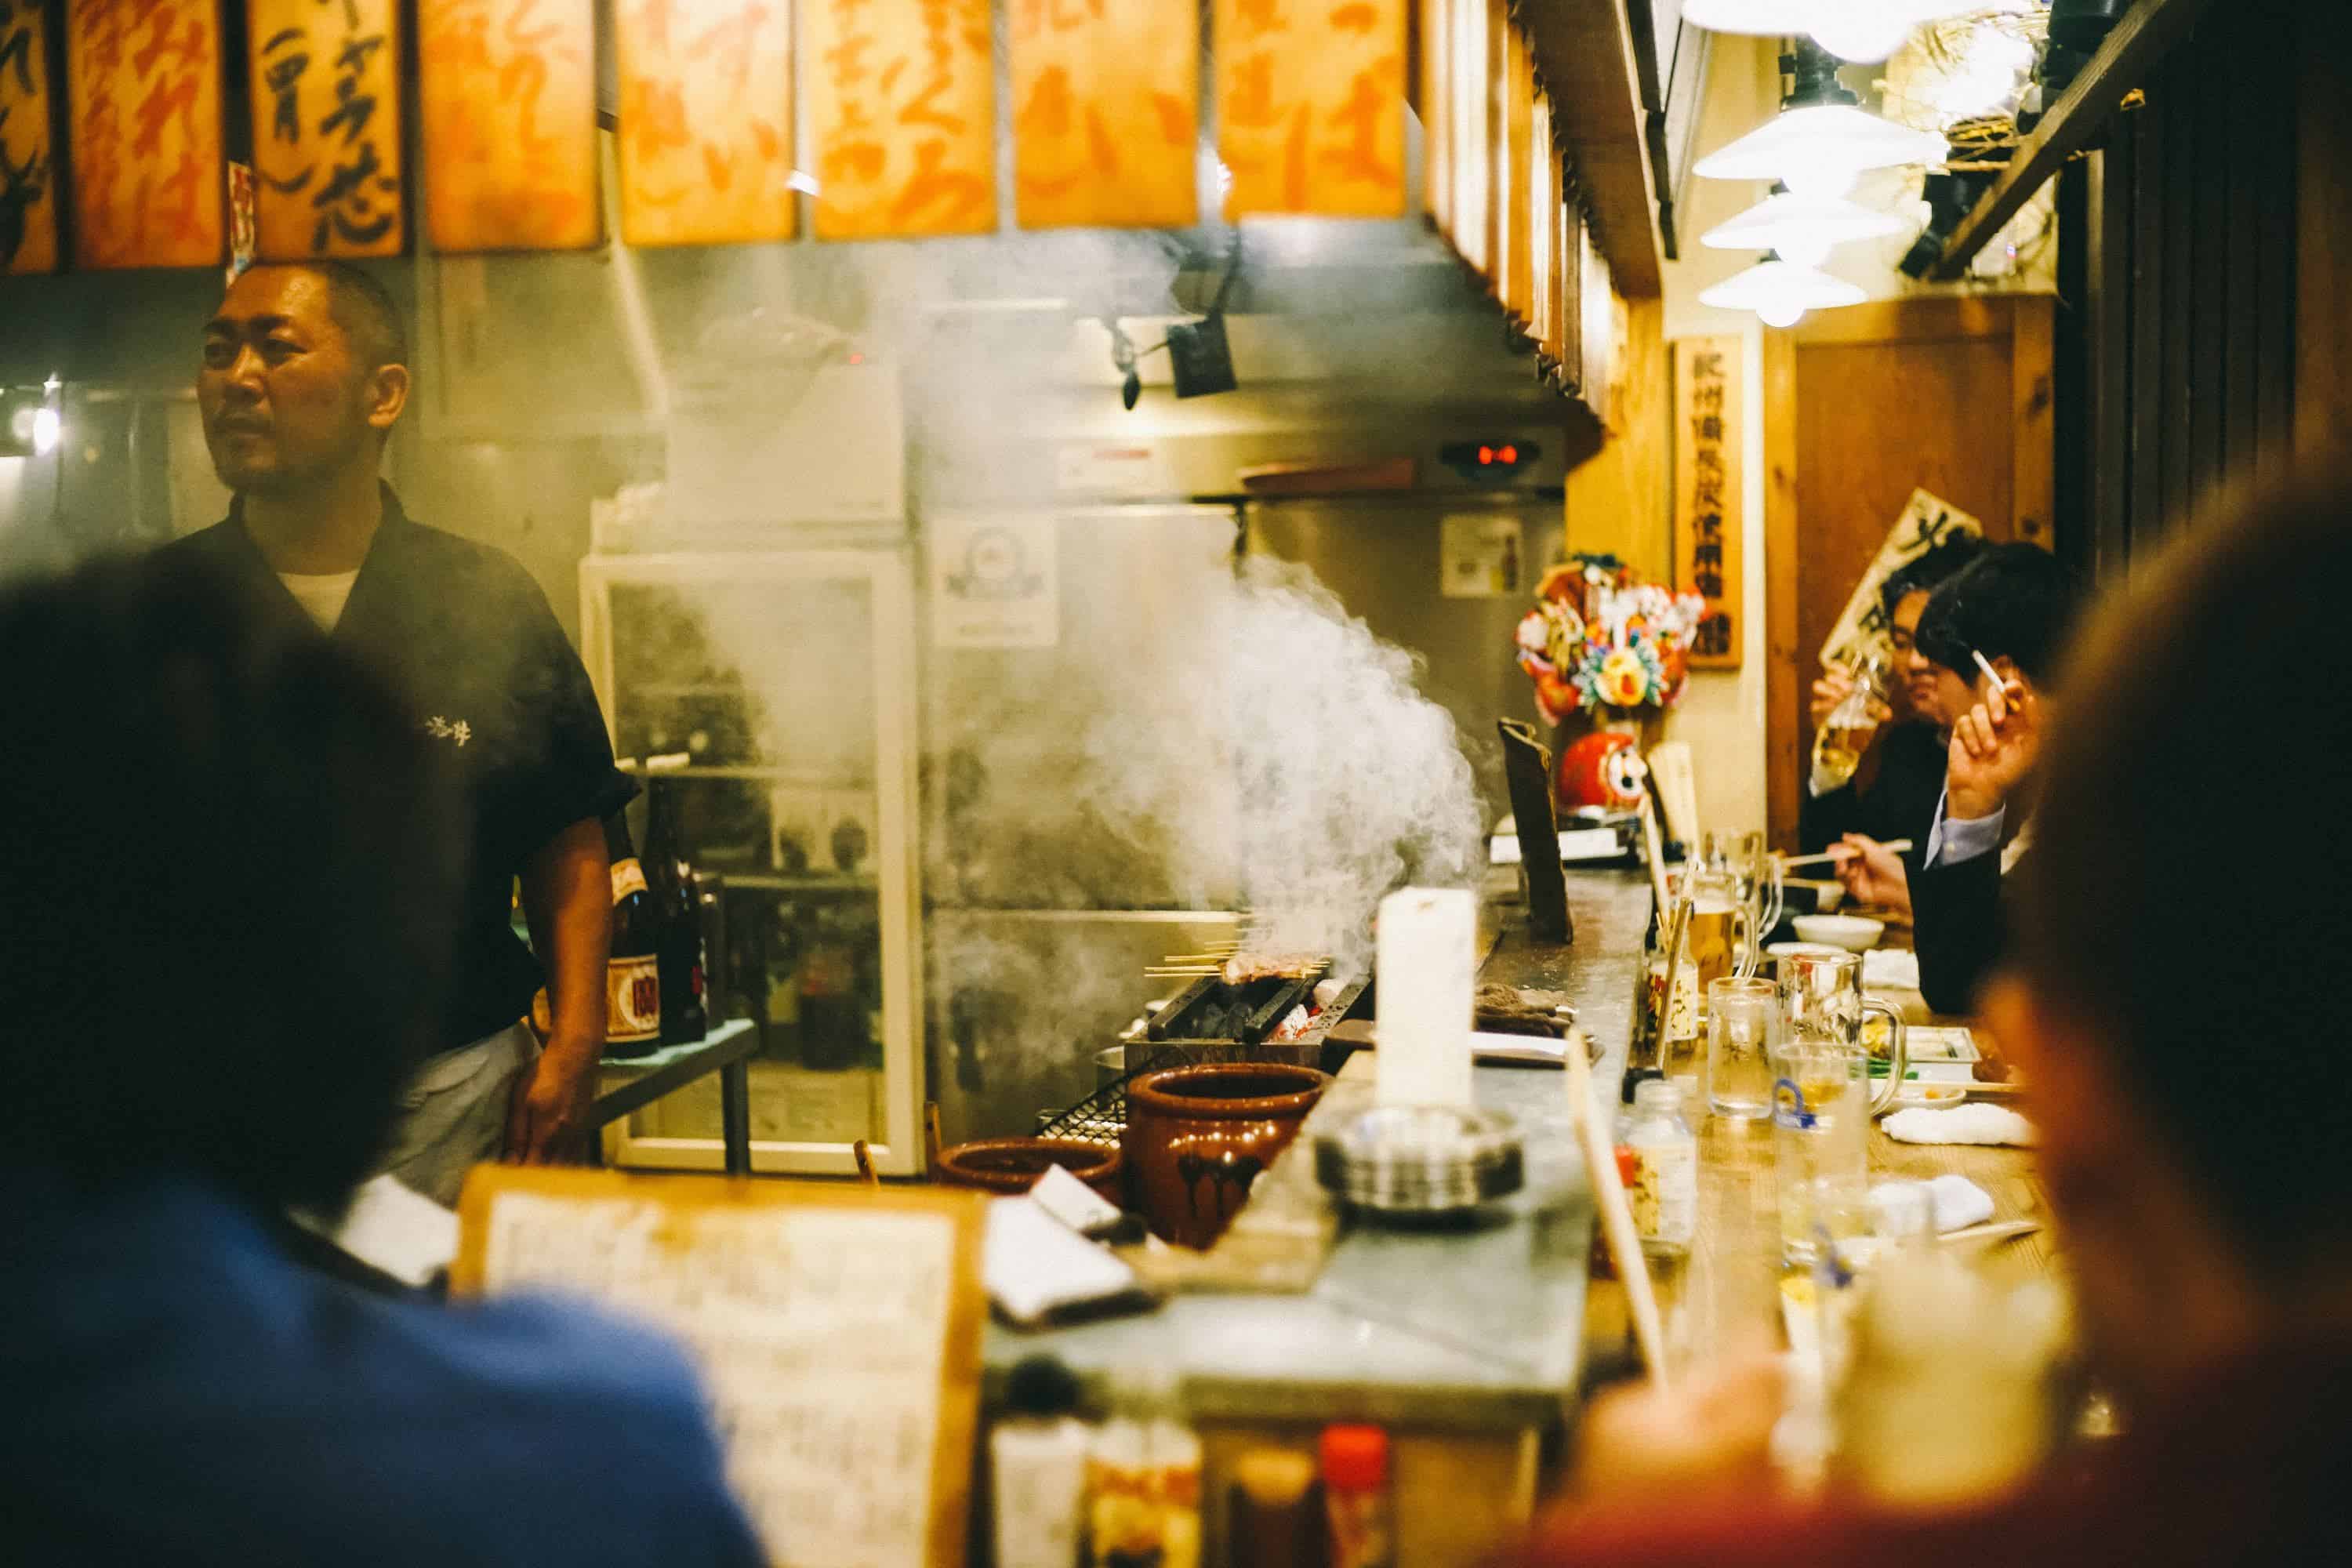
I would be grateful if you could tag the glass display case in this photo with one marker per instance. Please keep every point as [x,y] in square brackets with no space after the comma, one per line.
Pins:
[773,691]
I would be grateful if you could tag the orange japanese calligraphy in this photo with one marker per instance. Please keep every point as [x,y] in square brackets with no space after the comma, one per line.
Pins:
[145,88]
[507,89]
[1105,113]
[28,164]
[326,126]
[902,104]
[1543,233]
[1707,491]
[1469,129]
[706,131]
[1310,103]
[1434,34]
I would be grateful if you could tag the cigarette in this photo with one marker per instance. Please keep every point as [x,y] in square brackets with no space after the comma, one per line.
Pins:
[1991,673]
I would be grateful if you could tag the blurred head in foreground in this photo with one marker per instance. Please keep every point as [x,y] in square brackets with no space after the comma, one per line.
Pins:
[2178,993]
[220,955]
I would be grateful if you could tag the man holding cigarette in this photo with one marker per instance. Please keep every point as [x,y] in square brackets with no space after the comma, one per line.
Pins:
[2007,618]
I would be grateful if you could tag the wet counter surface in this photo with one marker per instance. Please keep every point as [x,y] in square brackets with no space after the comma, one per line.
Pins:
[1472,1329]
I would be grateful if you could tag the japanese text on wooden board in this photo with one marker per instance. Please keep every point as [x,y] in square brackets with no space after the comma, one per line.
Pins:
[507,89]
[326,127]
[1310,106]
[28,165]
[902,105]
[705,125]
[1105,112]
[1706,492]
[145,88]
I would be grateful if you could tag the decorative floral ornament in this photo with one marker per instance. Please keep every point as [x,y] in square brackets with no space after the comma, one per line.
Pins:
[1599,637]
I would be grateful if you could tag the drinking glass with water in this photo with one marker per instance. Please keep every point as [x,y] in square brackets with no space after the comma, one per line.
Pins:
[1743,1019]
[1821,1127]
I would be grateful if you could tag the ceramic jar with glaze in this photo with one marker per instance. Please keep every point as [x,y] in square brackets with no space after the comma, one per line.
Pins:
[1197,1137]
[1012,1165]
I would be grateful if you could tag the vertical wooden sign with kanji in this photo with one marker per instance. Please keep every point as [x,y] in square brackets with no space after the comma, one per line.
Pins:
[902,108]
[144,79]
[1706,492]
[1310,106]
[1433,44]
[706,131]
[1105,113]
[507,89]
[325,79]
[28,160]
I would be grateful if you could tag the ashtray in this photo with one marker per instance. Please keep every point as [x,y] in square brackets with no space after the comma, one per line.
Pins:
[1422,1159]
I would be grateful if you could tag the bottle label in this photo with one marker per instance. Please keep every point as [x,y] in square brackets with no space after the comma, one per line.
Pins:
[633,1000]
[1666,1196]
[628,876]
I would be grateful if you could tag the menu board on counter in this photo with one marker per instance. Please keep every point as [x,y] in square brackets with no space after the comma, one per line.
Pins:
[837,1330]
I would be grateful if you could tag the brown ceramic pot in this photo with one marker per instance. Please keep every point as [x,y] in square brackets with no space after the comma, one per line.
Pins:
[1013,1164]
[1198,1136]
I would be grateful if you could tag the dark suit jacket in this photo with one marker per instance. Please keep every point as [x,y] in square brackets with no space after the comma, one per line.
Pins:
[1900,802]
[1958,925]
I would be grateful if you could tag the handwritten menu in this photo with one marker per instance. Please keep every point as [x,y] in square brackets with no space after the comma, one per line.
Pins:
[28,168]
[145,80]
[705,127]
[1310,103]
[1105,112]
[902,105]
[1706,492]
[1433,41]
[508,96]
[837,1335]
[325,79]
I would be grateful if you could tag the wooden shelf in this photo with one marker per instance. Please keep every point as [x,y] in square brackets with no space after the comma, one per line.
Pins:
[2122,65]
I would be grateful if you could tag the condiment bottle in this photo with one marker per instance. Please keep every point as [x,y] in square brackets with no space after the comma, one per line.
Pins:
[1665,1195]
[1037,1464]
[1356,1507]
[1144,1479]
[1273,1521]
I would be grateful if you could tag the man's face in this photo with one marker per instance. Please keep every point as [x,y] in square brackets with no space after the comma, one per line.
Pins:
[286,400]
[1936,695]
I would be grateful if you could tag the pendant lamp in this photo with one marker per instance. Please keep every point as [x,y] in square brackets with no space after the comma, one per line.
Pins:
[1802,228]
[1858,30]
[1781,292]
[1821,140]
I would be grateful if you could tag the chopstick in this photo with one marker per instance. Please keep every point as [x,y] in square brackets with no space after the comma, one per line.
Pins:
[1617,1226]
[1896,844]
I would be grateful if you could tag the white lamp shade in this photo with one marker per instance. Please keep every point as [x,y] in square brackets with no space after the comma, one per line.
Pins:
[1780,288]
[1824,145]
[1851,29]
[1796,226]
[1764,17]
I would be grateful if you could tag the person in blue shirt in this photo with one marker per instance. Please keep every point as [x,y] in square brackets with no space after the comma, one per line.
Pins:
[222,833]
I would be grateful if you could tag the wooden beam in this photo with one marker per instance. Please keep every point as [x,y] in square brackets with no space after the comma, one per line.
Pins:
[1784,715]
[2121,64]
[1584,52]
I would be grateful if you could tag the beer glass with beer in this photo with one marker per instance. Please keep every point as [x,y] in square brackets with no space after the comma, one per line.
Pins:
[1722,939]
[1846,734]
[1822,999]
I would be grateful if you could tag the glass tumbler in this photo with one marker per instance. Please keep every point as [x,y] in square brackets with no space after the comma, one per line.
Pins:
[1820,996]
[1821,1128]
[1743,1027]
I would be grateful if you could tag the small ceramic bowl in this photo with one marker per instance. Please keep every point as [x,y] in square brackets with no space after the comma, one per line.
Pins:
[1801,949]
[1856,934]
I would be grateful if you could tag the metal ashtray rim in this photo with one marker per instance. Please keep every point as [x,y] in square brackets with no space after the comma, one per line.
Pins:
[1421,1159]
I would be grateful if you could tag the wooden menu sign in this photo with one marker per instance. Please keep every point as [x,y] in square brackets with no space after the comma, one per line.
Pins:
[506,91]
[144,79]
[1706,492]
[1105,113]
[1310,107]
[837,1330]
[902,108]
[705,124]
[28,163]
[325,82]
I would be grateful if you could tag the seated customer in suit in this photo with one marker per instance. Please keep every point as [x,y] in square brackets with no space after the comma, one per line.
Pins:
[2192,1155]
[221,964]
[1893,795]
